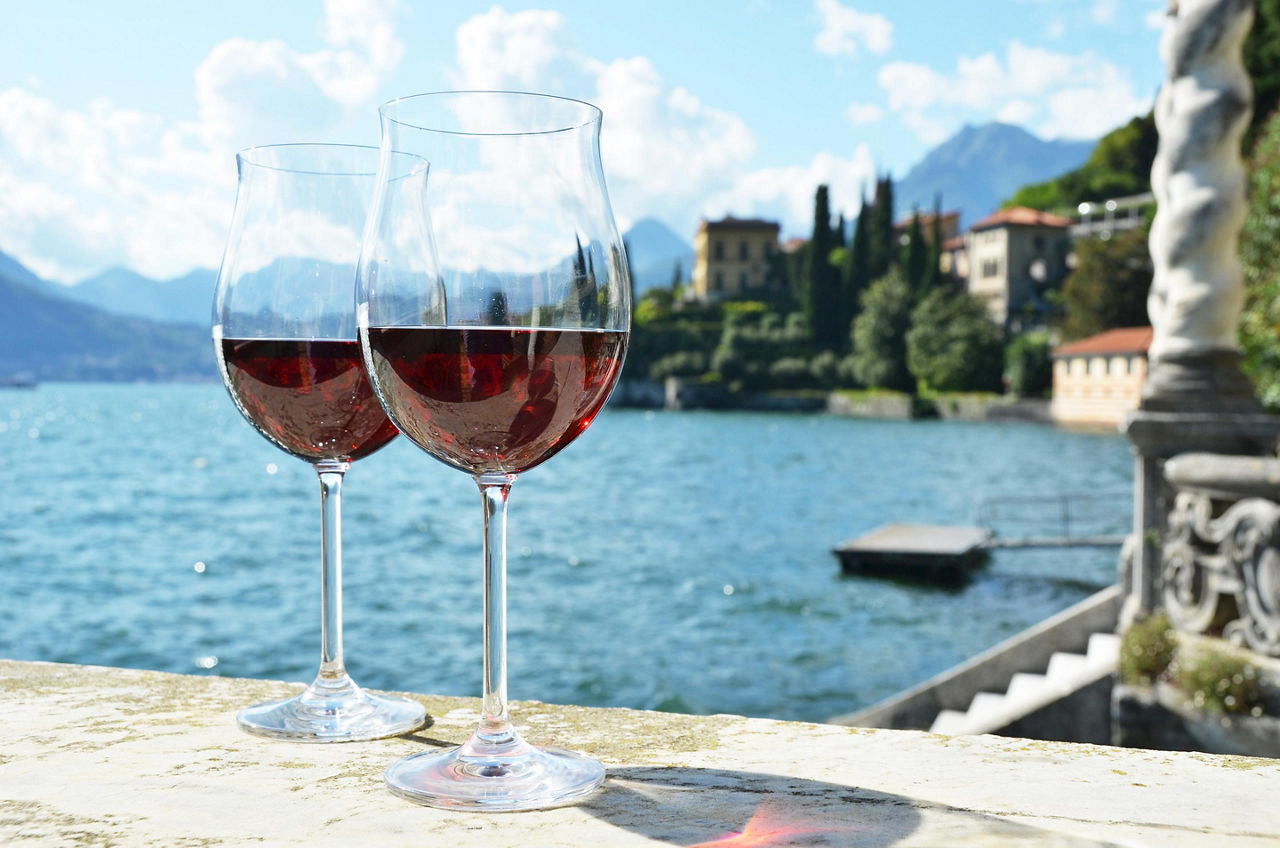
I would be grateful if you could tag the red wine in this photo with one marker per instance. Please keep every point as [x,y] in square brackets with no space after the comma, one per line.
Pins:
[489,399]
[310,397]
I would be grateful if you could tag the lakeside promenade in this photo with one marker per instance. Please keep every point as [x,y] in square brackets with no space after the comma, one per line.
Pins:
[102,756]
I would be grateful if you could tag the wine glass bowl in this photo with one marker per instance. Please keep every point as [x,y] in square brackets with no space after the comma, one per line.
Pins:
[285,339]
[494,317]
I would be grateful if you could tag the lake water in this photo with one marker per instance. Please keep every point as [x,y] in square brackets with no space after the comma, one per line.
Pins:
[673,561]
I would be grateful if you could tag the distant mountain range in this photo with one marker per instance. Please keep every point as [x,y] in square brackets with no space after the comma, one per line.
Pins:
[47,337]
[978,168]
[655,251]
[121,325]
[187,299]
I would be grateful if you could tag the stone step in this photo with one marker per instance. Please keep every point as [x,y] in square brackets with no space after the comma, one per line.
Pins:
[1066,672]
[1064,667]
[1025,684]
[949,722]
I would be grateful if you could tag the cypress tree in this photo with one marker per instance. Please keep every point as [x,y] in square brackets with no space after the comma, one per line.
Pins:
[856,276]
[823,279]
[915,257]
[933,273]
[881,243]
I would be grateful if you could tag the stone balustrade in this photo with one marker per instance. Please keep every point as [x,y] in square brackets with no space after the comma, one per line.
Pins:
[99,756]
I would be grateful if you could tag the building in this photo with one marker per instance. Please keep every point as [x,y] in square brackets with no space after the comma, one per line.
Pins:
[953,260]
[734,256]
[1098,380]
[948,224]
[1014,257]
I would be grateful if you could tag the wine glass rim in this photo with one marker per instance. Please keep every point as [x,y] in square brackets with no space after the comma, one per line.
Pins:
[250,156]
[593,113]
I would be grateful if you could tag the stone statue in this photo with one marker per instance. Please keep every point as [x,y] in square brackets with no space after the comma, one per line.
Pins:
[1199,183]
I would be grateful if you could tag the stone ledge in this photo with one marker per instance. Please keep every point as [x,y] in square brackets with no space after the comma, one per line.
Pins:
[99,756]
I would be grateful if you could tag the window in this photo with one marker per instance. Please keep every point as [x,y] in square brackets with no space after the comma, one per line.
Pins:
[1038,243]
[717,249]
[742,250]
[990,267]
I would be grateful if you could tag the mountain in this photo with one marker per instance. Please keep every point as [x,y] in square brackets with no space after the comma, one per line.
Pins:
[47,337]
[654,251]
[978,167]
[186,299]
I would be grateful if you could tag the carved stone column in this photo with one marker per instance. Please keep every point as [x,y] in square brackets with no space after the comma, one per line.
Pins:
[1196,398]
[1198,179]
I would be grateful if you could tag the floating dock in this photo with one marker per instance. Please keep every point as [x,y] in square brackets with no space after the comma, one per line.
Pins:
[916,552]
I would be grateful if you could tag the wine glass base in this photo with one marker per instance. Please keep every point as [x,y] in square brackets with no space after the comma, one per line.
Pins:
[333,714]
[531,779]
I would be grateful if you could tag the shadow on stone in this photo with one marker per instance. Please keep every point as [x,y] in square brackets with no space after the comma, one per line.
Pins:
[694,807]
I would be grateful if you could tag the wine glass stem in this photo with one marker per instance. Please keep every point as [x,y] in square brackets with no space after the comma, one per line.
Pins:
[495,728]
[331,662]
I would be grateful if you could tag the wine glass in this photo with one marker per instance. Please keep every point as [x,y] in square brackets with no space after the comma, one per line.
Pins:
[284,332]
[494,320]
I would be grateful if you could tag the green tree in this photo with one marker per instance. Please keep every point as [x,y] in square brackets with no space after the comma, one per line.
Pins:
[1109,285]
[953,345]
[1028,364]
[1260,260]
[856,274]
[879,358]
[915,257]
[882,244]
[823,279]
[933,277]
[1262,60]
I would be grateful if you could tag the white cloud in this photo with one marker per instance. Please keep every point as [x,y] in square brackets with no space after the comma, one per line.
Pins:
[864,113]
[1055,94]
[664,149]
[88,188]
[1104,11]
[1156,18]
[522,50]
[1017,112]
[786,194]
[846,30]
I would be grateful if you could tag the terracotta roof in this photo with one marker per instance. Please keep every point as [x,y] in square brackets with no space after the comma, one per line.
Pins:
[1122,340]
[731,223]
[1021,216]
[791,245]
[954,243]
[926,218]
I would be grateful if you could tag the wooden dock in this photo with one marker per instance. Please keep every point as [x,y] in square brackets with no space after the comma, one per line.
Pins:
[916,552]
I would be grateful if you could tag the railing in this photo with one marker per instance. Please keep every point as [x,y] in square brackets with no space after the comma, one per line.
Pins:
[1062,520]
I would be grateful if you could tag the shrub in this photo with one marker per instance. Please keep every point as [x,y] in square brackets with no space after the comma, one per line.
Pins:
[791,372]
[1147,649]
[824,369]
[953,345]
[1219,682]
[682,363]
[879,357]
[1028,364]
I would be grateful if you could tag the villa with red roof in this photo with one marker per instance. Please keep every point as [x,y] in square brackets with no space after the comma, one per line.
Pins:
[1097,381]
[1014,256]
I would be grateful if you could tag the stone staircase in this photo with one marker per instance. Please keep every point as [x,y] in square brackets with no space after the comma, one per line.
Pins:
[1029,693]
[1052,681]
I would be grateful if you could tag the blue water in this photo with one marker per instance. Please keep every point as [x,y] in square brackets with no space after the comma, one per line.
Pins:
[676,561]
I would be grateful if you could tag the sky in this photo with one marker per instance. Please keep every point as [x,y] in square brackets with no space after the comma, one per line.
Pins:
[119,121]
